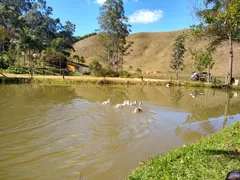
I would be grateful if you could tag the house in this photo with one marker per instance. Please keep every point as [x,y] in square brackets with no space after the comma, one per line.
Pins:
[76,67]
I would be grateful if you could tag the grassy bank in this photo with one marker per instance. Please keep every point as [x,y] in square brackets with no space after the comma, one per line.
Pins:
[209,158]
[58,80]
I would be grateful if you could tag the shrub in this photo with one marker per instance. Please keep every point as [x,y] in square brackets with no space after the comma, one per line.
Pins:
[95,68]
[106,72]
[17,70]
[125,74]
[139,71]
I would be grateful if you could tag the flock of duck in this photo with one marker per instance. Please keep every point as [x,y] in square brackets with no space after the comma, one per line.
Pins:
[126,103]
[133,104]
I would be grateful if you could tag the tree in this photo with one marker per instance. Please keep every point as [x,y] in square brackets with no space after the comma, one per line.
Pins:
[79,59]
[59,44]
[130,68]
[114,29]
[76,57]
[4,42]
[95,67]
[203,61]
[82,59]
[4,39]
[62,53]
[66,33]
[139,71]
[79,38]
[30,44]
[178,54]
[221,21]
[54,58]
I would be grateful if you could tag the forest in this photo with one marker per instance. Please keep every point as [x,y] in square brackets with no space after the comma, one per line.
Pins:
[31,40]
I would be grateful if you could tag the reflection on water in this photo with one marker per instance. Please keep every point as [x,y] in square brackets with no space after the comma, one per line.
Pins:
[60,132]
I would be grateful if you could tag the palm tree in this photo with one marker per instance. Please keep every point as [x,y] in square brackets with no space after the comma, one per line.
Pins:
[29,44]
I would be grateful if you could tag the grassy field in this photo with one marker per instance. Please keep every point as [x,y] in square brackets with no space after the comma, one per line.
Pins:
[68,80]
[152,54]
[209,158]
[85,79]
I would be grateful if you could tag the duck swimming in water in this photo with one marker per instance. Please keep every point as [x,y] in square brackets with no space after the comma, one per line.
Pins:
[127,102]
[138,109]
[168,85]
[192,96]
[134,103]
[106,102]
[121,105]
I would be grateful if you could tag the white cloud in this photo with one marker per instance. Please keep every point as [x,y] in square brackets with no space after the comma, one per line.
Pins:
[99,1]
[146,16]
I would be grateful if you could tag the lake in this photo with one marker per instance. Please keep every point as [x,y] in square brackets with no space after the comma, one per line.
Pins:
[64,132]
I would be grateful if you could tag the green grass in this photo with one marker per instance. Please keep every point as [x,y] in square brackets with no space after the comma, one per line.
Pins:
[209,158]
[110,81]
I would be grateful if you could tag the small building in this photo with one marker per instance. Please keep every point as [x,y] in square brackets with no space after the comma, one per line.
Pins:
[77,67]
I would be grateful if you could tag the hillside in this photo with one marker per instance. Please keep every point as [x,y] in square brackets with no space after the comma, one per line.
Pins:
[152,53]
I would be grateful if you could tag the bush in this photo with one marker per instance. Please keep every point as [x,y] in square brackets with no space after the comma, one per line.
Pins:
[139,71]
[95,68]
[125,74]
[3,64]
[106,72]
[17,70]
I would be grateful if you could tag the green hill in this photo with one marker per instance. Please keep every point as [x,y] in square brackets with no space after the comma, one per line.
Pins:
[152,53]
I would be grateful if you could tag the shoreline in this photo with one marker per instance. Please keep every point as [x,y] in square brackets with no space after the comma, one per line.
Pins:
[74,80]
[210,157]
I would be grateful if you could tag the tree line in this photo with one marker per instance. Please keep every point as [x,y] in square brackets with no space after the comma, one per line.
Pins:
[79,38]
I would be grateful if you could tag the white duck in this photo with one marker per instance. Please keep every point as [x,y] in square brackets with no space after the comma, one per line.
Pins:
[168,85]
[127,102]
[138,109]
[192,96]
[134,103]
[106,102]
[120,105]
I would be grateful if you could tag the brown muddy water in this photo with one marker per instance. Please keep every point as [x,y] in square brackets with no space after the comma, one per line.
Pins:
[64,132]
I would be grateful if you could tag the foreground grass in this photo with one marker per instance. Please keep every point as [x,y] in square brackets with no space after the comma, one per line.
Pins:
[209,158]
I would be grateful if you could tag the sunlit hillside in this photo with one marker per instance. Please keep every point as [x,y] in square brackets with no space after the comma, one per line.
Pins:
[152,53]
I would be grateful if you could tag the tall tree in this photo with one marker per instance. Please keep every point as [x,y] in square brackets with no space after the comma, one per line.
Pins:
[4,42]
[178,54]
[114,29]
[29,44]
[221,20]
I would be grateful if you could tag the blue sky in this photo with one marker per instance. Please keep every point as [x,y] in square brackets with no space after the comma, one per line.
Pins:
[144,15]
